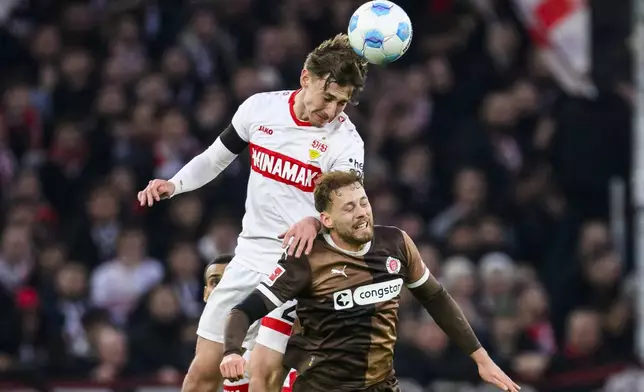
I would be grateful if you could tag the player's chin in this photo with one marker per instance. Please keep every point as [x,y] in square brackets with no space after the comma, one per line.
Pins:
[363,234]
[318,121]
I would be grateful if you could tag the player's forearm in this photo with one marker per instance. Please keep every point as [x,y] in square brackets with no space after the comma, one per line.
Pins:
[206,166]
[241,318]
[236,328]
[448,315]
[203,168]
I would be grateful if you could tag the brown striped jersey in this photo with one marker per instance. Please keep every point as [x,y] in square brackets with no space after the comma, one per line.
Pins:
[347,307]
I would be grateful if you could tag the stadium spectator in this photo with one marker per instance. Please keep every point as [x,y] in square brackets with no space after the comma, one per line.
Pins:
[117,285]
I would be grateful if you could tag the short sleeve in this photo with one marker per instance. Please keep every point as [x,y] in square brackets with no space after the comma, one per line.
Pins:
[351,158]
[417,271]
[290,278]
[242,118]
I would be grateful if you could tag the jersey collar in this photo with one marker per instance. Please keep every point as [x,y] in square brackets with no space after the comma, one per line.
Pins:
[291,108]
[361,252]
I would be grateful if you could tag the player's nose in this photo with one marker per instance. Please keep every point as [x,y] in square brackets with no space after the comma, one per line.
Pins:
[329,111]
[361,211]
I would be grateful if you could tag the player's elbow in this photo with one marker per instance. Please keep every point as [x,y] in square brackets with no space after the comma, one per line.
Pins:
[427,294]
[253,307]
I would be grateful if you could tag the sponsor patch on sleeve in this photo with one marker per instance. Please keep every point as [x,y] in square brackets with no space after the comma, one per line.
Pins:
[277,272]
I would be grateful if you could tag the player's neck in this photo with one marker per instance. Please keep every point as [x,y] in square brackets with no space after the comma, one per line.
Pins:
[298,107]
[344,245]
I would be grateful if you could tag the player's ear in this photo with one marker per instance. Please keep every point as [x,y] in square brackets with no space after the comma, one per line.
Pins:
[326,220]
[305,78]
[205,293]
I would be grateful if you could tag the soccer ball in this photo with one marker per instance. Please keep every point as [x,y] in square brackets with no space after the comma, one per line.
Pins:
[380,31]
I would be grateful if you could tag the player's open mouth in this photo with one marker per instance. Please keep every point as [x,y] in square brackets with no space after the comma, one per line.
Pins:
[361,226]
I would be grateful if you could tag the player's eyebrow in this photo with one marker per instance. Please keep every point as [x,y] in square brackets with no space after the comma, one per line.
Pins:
[336,98]
[353,203]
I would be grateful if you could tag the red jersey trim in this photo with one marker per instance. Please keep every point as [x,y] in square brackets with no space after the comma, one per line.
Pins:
[277,325]
[236,388]
[291,108]
[282,168]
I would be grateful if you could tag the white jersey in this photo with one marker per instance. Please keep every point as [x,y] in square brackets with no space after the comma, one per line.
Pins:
[286,155]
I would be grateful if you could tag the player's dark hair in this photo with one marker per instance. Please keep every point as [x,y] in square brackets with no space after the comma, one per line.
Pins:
[335,60]
[222,259]
[329,183]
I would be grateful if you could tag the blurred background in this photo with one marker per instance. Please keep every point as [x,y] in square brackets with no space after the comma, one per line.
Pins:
[501,142]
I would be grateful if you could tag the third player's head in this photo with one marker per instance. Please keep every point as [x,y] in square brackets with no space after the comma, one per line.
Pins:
[333,73]
[214,272]
[344,208]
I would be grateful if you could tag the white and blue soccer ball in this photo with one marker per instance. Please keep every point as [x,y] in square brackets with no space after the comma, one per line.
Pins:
[380,31]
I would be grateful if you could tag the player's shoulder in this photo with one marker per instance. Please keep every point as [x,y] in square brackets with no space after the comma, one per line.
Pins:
[265,98]
[389,237]
[388,231]
[347,130]
[261,106]
[320,251]
[319,245]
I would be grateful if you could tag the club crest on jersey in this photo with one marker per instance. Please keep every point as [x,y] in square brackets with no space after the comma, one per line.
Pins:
[393,265]
[277,272]
[317,149]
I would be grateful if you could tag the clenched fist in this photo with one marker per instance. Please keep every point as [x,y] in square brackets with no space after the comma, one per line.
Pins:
[232,367]
[156,190]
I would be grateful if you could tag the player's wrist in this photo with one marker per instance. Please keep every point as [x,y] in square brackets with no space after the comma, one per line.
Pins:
[480,356]
[174,185]
[233,351]
[318,224]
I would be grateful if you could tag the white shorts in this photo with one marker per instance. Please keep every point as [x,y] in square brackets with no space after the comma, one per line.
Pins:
[235,285]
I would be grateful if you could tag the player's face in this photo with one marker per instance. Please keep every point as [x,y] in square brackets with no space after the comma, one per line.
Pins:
[350,215]
[212,277]
[322,105]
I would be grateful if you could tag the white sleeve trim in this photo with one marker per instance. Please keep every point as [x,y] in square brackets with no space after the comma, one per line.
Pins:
[420,281]
[268,294]
[203,168]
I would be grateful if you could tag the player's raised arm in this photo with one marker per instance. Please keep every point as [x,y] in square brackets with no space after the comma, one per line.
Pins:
[449,317]
[206,166]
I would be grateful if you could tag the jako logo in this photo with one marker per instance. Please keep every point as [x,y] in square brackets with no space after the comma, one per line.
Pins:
[266,130]
[367,295]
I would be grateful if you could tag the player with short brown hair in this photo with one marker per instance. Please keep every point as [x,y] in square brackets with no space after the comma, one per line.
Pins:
[348,292]
[334,61]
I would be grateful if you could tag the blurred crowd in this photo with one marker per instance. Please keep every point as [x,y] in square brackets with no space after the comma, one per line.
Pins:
[472,149]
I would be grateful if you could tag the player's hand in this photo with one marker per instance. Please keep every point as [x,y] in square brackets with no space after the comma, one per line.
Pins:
[156,190]
[303,234]
[232,367]
[491,373]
